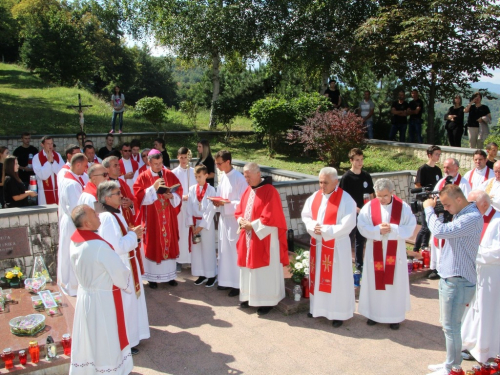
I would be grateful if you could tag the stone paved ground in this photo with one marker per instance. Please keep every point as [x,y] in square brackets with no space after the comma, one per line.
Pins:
[198,330]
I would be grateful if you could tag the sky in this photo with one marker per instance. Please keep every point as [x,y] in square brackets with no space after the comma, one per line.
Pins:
[494,79]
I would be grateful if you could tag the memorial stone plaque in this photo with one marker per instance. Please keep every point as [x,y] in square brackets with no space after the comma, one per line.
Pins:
[14,243]
[295,204]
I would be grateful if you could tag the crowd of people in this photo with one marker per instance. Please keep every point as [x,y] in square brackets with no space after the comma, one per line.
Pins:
[126,218]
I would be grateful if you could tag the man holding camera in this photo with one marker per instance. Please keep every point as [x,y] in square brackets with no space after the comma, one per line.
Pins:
[450,167]
[457,266]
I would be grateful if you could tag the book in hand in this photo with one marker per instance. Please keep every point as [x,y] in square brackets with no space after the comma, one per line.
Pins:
[167,189]
[219,199]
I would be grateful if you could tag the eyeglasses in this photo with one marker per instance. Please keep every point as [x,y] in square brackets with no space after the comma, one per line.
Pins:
[117,193]
[126,150]
[220,163]
[105,174]
[144,156]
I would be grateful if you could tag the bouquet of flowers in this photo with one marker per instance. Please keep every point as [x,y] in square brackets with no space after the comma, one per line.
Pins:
[300,267]
[13,276]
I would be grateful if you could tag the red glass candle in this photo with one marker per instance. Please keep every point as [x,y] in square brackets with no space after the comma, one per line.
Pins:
[493,367]
[23,357]
[497,359]
[477,370]
[366,198]
[66,343]
[8,358]
[305,287]
[34,350]
[415,265]
[485,369]
[457,370]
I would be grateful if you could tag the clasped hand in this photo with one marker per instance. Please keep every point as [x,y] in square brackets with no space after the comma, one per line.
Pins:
[385,228]
[245,224]
[317,229]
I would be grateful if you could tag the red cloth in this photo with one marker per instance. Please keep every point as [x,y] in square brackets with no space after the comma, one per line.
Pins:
[84,236]
[156,246]
[50,189]
[127,193]
[135,166]
[91,189]
[143,168]
[266,207]
[71,176]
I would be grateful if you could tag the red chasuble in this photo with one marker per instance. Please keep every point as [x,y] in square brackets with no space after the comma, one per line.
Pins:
[266,207]
[161,235]
[327,247]
[80,236]
[91,189]
[385,275]
[49,187]
[135,167]
[487,219]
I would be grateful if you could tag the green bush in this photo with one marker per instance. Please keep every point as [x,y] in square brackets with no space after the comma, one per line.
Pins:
[152,109]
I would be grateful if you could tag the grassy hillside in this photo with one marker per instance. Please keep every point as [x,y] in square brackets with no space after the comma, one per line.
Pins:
[29,104]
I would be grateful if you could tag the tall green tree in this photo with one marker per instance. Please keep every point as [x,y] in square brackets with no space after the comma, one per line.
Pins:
[438,46]
[211,32]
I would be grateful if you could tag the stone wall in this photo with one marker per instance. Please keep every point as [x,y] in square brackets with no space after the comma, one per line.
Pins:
[463,155]
[43,236]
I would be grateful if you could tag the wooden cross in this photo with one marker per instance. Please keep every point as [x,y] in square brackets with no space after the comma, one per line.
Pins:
[80,107]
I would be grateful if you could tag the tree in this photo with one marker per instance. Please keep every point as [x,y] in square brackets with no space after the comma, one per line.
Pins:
[208,31]
[436,46]
[9,32]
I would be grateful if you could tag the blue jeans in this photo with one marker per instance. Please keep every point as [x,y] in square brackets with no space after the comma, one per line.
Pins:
[415,127]
[369,128]
[402,132]
[454,294]
[120,119]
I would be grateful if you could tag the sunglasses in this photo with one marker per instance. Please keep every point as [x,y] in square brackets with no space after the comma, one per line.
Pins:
[105,174]
[126,150]
[117,193]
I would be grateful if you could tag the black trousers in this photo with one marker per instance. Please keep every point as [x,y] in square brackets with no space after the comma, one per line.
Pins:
[423,236]
[455,136]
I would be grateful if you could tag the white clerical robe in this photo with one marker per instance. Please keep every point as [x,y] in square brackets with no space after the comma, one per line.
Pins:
[87,199]
[203,256]
[136,313]
[69,193]
[187,179]
[481,326]
[127,164]
[492,188]
[340,303]
[166,269]
[95,347]
[479,176]
[62,172]
[48,170]
[232,186]
[389,305]
[436,250]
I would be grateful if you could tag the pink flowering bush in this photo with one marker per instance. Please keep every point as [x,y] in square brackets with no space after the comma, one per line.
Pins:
[331,134]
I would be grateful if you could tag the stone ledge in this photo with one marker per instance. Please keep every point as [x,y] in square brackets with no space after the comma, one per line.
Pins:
[201,133]
[30,210]
[421,146]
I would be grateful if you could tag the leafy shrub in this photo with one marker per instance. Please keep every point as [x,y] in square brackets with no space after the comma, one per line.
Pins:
[331,134]
[152,109]
[273,116]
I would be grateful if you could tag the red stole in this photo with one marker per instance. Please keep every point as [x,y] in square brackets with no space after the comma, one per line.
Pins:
[136,158]
[49,187]
[487,220]
[91,189]
[385,276]
[161,240]
[143,168]
[486,175]
[457,182]
[199,196]
[135,166]
[66,166]
[80,236]
[70,176]
[132,255]
[327,247]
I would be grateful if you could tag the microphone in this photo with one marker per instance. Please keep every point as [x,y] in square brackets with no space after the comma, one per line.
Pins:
[448,179]
[160,174]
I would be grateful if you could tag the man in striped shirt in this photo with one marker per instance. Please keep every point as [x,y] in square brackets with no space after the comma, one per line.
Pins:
[457,266]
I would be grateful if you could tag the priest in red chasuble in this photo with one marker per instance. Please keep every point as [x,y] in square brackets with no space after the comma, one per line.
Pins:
[158,215]
[262,244]
[329,216]
[386,222]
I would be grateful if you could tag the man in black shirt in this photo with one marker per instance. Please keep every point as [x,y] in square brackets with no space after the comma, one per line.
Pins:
[427,176]
[159,144]
[399,118]
[333,94]
[415,110]
[492,151]
[357,182]
[105,151]
[25,154]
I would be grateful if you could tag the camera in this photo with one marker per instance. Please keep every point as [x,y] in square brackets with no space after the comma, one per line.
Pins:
[424,193]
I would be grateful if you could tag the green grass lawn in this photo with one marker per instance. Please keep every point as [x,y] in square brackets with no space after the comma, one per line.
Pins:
[29,104]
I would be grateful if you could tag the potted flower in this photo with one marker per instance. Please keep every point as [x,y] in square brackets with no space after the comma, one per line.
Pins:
[13,276]
[300,267]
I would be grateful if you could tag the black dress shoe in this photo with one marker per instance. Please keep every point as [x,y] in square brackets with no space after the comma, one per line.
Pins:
[134,350]
[153,285]
[263,310]
[466,356]
[433,275]
[234,292]
[211,282]
[309,315]
[394,326]
[173,283]
[337,323]
[200,280]
[371,322]
[244,305]
[223,288]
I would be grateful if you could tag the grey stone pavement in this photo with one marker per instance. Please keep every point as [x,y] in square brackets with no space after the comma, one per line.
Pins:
[199,330]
